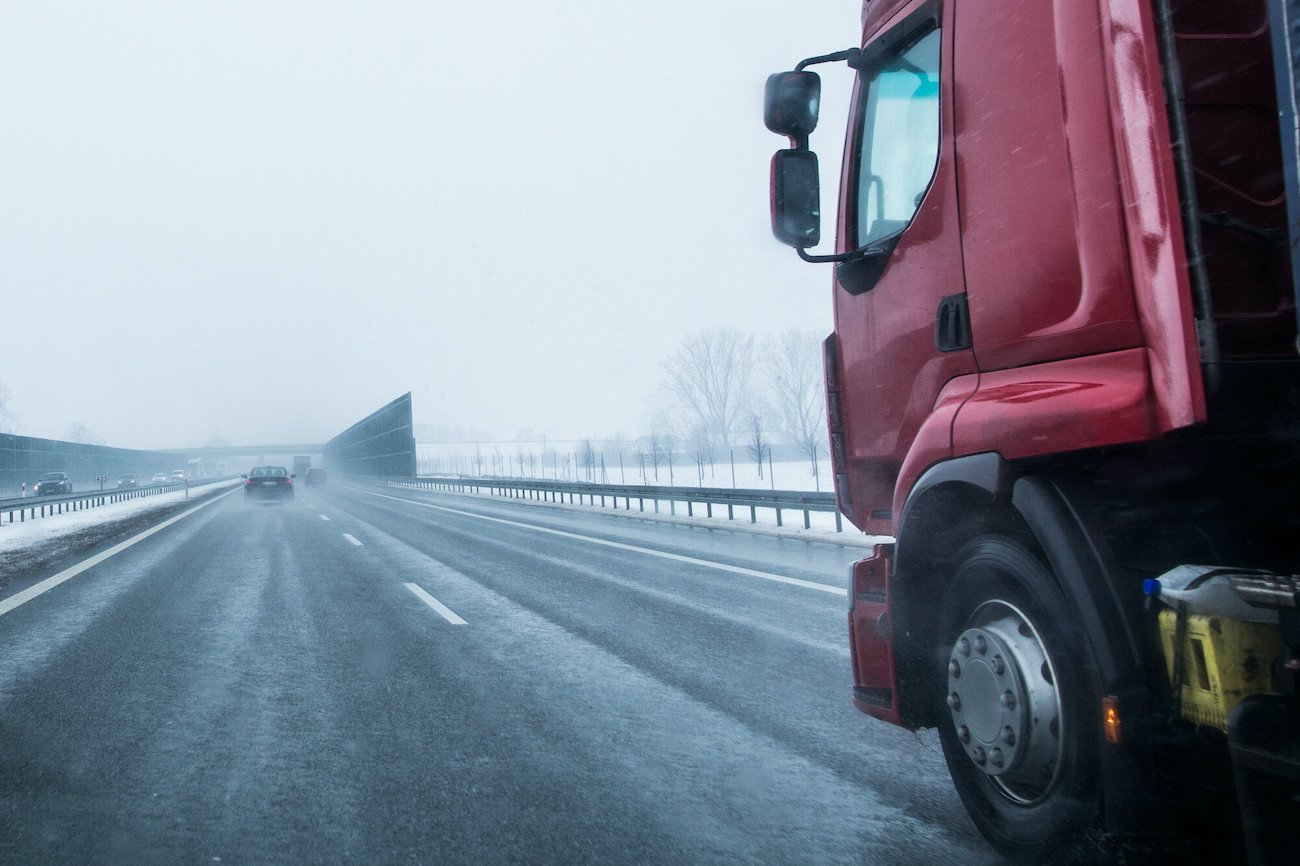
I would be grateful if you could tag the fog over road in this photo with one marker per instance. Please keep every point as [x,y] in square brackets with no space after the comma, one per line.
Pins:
[380,674]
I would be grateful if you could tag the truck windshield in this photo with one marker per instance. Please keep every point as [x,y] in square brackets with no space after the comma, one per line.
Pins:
[898,140]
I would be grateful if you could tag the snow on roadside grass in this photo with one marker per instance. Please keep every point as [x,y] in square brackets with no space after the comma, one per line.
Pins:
[45,529]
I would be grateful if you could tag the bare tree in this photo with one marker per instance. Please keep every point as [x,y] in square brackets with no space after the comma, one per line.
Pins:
[709,379]
[587,459]
[653,450]
[561,464]
[8,421]
[758,446]
[79,432]
[795,386]
[701,452]
[664,444]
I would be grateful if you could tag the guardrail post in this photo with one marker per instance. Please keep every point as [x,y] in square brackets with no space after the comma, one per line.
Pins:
[807,524]
[690,509]
[730,514]
[708,506]
[839,524]
[753,514]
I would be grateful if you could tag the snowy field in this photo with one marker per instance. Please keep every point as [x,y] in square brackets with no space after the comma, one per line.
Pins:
[32,533]
[563,462]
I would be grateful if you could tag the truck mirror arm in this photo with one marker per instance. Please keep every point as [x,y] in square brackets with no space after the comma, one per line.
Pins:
[882,247]
[849,54]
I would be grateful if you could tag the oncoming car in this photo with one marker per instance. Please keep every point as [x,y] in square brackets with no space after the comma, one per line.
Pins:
[268,482]
[158,478]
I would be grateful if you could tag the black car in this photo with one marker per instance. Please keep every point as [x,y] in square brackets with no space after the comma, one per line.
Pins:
[52,483]
[315,476]
[268,482]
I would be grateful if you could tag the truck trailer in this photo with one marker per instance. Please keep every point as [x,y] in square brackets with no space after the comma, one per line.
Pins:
[1064,378]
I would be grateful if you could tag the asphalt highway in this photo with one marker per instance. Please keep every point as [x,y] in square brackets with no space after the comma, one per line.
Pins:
[375,674]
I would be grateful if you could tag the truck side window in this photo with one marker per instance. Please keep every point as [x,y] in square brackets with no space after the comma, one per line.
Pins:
[898,141]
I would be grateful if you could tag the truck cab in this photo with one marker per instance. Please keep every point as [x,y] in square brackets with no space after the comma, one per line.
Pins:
[1064,367]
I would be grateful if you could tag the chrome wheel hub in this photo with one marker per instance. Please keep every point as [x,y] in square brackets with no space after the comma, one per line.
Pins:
[1004,702]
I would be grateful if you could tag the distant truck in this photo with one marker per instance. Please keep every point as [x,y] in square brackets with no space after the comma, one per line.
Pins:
[1064,379]
[301,464]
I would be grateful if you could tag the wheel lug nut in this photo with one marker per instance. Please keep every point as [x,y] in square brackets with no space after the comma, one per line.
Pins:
[981,645]
[954,702]
[978,755]
[1008,736]
[963,646]
[999,665]
[1008,700]
[963,734]
[954,669]
[995,757]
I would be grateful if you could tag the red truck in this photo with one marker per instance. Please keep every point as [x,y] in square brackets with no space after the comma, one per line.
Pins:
[1065,379]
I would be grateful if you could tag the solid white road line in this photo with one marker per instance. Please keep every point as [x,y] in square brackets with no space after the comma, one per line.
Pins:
[20,598]
[442,609]
[323,517]
[349,537]
[649,551]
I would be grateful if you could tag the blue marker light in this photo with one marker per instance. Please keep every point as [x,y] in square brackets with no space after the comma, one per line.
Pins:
[1151,586]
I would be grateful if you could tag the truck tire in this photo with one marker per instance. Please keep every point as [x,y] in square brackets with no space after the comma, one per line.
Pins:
[1018,728]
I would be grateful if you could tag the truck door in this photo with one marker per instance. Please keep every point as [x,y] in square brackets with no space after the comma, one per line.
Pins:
[899,194]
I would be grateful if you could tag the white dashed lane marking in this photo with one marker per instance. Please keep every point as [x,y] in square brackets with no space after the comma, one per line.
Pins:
[442,609]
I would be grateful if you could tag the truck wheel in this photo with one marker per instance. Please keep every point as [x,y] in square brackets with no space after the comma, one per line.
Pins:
[1018,731]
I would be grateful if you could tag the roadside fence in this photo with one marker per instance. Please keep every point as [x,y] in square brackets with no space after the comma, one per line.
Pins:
[577,492]
[34,508]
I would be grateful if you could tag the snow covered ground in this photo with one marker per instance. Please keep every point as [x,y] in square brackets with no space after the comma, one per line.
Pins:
[44,529]
[620,467]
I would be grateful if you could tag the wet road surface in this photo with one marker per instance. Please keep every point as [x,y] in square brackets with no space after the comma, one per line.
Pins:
[372,673]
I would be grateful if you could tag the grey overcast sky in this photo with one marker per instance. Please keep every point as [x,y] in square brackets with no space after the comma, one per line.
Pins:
[266,219]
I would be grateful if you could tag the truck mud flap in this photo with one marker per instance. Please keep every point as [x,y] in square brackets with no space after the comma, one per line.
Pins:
[871,638]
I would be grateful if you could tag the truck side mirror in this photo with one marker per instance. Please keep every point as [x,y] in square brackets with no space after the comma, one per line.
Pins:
[791,103]
[796,198]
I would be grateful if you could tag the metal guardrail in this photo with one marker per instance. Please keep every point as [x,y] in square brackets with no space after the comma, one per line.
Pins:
[21,510]
[556,491]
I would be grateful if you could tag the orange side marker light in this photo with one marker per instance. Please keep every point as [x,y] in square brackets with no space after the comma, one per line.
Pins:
[1111,720]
